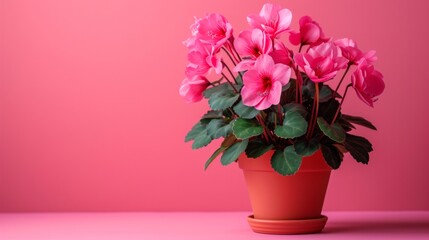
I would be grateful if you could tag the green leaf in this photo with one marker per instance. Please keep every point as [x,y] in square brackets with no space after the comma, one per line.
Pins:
[221,87]
[294,125]
[245,128]
[334,131]
[214,125]
[202,140]
[223,131]
[232,153]
[307,148]
[328,109]
[238,79]
[325,93]
[244,111]
[213,156]
[332,155]
[195,131]
[212,114]
[359,121]
[358,147]
[286,162]
[257,148]
[346,125]
[223,99]
[295,107]
[228,141]
[218,128]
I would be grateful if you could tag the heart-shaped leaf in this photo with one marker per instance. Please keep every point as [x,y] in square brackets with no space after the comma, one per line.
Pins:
[306,148]
[245,128]
[295,107]
[286,162]
[294,125]
[334,131]
[232,153]
[257,148]
[244,111]
[223,99]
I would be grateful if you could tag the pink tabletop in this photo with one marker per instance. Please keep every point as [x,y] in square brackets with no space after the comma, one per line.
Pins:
[202,225]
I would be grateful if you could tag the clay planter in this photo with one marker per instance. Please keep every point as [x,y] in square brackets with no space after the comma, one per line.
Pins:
[286,204]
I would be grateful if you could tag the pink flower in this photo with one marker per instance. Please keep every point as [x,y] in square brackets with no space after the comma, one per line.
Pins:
[251,43]
[281,54]
[213,29]
[263,83]
[202,58]
[367,82]
[272,19]
[322,62]
[310,33]
[350,50]
[192,88]
[370,57]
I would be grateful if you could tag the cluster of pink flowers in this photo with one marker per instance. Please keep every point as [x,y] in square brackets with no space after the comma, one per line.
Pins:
[265,61]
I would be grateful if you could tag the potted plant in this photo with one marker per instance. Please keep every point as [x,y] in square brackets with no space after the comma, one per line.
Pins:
[279,110]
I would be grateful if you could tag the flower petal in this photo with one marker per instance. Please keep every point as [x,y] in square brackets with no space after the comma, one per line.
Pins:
[264,63]
[285,17]
[275,93]
[281,73]
[250,97]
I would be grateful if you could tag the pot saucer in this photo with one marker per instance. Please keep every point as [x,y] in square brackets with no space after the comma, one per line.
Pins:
[301,226]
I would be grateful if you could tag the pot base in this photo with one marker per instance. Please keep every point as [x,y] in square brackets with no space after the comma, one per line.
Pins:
[303,226]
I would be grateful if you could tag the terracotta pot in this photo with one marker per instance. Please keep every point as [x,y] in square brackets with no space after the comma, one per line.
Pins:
[286,204]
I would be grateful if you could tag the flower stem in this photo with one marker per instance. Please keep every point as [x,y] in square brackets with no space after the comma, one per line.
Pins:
[314,112]
[341,103]
[300,47]
[280,113]
[299,83]
[261,121]
[230,83]
[342,78]
[229,55]
[230,72]
[216,82]
[235,50]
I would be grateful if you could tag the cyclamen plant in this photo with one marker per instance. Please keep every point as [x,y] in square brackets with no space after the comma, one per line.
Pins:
[269,97]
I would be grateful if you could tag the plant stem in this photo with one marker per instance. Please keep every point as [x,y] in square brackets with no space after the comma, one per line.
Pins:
[236,53]
[230,72]
[229,55]
[216,82]
[300,47]
[232,112]
[261,121]
[315,111]
[341,103]
[299,83]
[230,83]
[280,113]
[342,78]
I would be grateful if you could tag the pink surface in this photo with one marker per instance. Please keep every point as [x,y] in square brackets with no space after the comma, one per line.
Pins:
[221,225]
[91,118]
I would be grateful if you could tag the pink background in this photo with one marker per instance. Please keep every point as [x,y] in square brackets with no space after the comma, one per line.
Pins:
[91,119]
